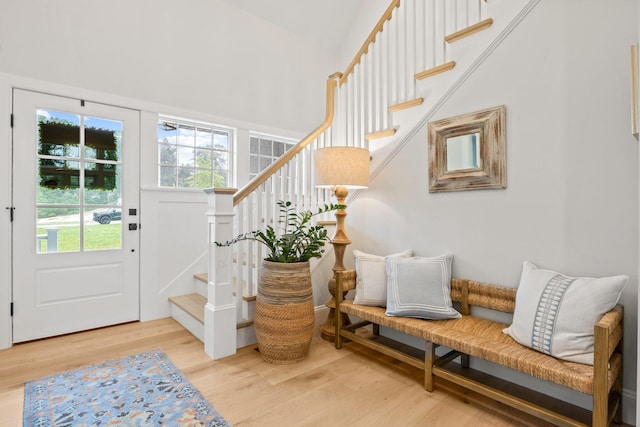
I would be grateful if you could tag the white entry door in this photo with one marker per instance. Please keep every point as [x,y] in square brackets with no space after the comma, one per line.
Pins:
[75,218]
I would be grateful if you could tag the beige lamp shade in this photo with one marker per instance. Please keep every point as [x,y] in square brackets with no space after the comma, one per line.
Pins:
[341,167]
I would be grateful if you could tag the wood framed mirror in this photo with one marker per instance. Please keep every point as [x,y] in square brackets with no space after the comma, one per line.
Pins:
[467,152]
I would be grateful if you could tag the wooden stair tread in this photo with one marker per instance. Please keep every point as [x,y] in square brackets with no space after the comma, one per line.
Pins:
[466,32]
[381,134]
[405,105]
[203,277]
[435,70]
[244,324]
[193,304]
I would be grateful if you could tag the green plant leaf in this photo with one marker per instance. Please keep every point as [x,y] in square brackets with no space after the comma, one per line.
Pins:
[297,241]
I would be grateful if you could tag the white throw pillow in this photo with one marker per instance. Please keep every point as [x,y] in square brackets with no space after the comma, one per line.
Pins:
[371,278]
[420,287]
[555,314]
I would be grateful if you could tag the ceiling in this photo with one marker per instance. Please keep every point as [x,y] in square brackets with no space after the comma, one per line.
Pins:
[325,22]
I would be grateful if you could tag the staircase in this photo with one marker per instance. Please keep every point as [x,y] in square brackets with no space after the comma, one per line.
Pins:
[415,58]
[188,310]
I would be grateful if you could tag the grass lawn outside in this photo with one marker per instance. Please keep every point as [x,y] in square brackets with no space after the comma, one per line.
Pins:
[96,236]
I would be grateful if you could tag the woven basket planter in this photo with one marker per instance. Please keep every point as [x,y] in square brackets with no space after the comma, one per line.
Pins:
[284,316]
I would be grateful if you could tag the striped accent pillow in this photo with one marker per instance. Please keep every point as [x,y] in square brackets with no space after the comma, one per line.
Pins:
[555,313]
[420,287]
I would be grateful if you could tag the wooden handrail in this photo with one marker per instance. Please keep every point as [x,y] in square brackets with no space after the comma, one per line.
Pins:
[372,37]
[282,160]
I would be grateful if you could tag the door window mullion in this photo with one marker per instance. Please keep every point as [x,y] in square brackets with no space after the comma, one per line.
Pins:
[82,180]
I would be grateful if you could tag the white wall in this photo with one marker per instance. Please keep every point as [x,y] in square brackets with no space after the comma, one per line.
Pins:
[368,15]
[200,55]
[572,164]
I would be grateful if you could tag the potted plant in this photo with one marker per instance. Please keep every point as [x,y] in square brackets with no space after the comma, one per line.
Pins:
[284,315]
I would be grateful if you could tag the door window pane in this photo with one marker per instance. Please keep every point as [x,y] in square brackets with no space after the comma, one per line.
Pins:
[58,134]
[103,229]
[57,230]
[58,182]
[102,184]
[102,139]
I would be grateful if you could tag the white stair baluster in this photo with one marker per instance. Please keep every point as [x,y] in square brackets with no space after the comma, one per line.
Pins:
[462,14]
[410,50]
[402,22]
[363,96]
[451,16]
[474,10]
[440,31]
[374,88]
[350,87]
[420,40]
[367,98]
[357,101]
[393,62]
[385,68]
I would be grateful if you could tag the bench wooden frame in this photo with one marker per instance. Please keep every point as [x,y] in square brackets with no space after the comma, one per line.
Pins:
[603,380]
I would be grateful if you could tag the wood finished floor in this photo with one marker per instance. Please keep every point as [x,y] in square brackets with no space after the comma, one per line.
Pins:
[349,387]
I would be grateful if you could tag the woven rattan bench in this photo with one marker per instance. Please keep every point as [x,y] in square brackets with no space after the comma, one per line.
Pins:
[476,337]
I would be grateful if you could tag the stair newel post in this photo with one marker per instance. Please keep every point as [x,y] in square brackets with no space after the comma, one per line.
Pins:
[220,310]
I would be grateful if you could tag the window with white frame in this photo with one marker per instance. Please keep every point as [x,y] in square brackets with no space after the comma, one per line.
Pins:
[193,154]
[264,150]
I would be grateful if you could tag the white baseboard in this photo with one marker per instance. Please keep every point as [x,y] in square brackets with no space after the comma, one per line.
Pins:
[245,337]
[321,312]
[629,407]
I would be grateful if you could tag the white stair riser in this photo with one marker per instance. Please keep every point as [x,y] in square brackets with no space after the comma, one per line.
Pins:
[248,309]
[188,321]
[201,288]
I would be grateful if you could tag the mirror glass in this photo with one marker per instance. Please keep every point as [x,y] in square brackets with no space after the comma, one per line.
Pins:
[463,152]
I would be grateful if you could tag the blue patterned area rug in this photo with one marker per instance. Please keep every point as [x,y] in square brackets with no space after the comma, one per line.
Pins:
[141,390]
